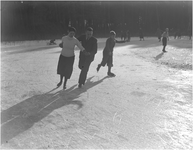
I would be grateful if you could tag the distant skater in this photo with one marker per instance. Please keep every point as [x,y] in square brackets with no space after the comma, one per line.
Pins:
[178,34]
[66,59]
[123,35]
[52,42]
[128,36]
[190,32]
[108,53]
[165,37]
[141,37]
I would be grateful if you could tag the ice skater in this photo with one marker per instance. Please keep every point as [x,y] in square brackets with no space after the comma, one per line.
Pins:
[108,53]
[52,42]
[141,37]
[165,37]
[85,58]
[66,59]
[128,36]
[123,35]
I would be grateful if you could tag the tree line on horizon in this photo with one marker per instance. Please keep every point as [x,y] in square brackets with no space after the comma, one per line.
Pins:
[39,20]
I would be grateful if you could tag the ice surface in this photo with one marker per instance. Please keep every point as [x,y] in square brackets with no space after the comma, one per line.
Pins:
[146,106]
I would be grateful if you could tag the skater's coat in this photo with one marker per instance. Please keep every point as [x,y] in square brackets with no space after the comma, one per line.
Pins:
[110,44]
[90,46]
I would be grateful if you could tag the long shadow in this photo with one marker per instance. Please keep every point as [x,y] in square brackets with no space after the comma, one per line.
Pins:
[159,56]
[22,116]
[147,43]
[32,49]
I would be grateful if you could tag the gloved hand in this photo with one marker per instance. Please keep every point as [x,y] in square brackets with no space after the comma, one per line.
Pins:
[86,53]
[61,45]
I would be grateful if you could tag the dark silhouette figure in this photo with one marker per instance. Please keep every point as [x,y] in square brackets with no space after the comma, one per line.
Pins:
[165,38]
[52,42]
[177,34]
[128,36]
[123,35]
[141,36]
[108,53]
[86,58]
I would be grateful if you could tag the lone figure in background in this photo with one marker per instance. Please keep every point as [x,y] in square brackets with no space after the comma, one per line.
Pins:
[66,59]
[108,53]
[52,42]
[165,37]
[128,36]
[141,37]
[85,58]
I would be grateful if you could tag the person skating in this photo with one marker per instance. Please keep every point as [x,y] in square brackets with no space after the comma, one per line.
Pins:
[52,42]
[141,36]
[66,58]
[85,58]
[128,36]
[108,53]
[165,37]
[123,35]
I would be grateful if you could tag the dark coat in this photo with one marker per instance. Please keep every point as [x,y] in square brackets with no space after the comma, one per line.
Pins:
[89,45]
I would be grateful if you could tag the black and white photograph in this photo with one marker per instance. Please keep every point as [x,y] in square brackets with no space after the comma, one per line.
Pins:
[96,74]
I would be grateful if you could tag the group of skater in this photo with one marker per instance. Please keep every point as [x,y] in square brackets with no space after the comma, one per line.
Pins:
[162,36]
[87,44]
[126,36]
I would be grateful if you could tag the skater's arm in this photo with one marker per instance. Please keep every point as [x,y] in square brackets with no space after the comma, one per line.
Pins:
[79,45]
[61,44]
[94,47]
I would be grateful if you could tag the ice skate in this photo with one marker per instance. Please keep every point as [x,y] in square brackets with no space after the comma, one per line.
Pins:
[110,74]
[59,84]
[64,87]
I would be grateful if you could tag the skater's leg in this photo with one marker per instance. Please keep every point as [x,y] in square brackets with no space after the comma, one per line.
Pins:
[109,73]
[65,81]
[164,48]
[83,73]
[98,68]
[110,65]
[104,60]
[164,42]
[109,69]
[61,79]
